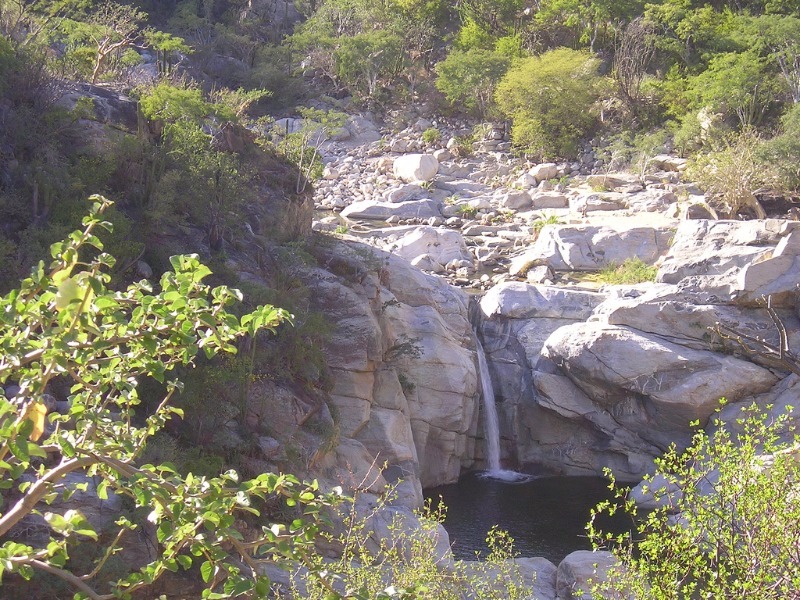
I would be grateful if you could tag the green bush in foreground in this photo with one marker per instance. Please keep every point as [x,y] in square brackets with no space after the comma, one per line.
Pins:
[63,323]
[733,529]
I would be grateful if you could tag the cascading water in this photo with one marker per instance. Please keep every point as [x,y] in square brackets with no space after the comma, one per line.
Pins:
[491,424]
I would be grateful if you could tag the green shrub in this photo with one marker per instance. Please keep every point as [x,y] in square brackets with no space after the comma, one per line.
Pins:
[431,135]
[730,176]
[783,152]
[550,99]
[732,531]
[466,211]
[407,564]
[468,78]
[633,270]
[543,221]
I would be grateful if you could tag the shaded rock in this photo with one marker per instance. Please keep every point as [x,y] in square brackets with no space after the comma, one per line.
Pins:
[658,493]
[579,570]
[381,211]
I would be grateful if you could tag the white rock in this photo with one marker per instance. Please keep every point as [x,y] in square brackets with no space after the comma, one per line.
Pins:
[543,200]
[372,210]
[544,171]
[416,167]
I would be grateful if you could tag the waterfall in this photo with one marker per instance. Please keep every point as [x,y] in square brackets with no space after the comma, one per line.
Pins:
[490,422]
[491,425]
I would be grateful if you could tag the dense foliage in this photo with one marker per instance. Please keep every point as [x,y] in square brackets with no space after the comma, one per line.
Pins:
[64,323]
[726,522]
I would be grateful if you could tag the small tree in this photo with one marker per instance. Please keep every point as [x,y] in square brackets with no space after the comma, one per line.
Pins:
[738,84]
[727,523]
[63,322]
[550,100]
[469,78]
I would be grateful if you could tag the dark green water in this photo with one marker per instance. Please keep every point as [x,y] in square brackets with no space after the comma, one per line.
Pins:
[546,516]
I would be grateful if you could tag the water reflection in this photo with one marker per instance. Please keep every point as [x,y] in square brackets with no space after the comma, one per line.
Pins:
[545,516]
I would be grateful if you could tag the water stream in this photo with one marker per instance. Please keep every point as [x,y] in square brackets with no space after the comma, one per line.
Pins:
[491,425]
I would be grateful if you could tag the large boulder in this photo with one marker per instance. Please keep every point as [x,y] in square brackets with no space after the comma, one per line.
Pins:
[416,167]
[401,360]
[442,245]
[381,211]
[544,171]
[579,571]
[705,248]
[517,300]
[591,247]
[649,385]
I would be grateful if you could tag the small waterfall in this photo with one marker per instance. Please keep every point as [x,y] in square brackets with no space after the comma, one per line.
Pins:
[490,421]
[492,425]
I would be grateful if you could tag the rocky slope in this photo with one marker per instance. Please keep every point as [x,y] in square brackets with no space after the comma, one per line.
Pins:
[587,376]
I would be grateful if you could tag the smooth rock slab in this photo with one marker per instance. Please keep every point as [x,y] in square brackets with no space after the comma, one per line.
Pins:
[381,211]
[648,384]
[591,248]
[704,248]
[517,300]
[442,245]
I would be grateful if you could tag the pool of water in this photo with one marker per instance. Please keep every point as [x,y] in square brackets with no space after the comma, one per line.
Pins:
[546,516]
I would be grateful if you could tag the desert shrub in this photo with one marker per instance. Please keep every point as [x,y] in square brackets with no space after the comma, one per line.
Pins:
[550,100]
[728,522]
[431,135]
[731,175]
[410,557]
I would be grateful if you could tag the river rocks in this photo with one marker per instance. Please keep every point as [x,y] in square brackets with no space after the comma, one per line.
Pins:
[416,167]
[703,248]
[404,193]
[735,261]
[667,162]
[441,245]
[544,171]
[517,300]
[514,200]
[543,200]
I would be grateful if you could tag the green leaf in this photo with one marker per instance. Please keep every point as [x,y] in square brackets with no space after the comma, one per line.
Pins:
[207,571]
